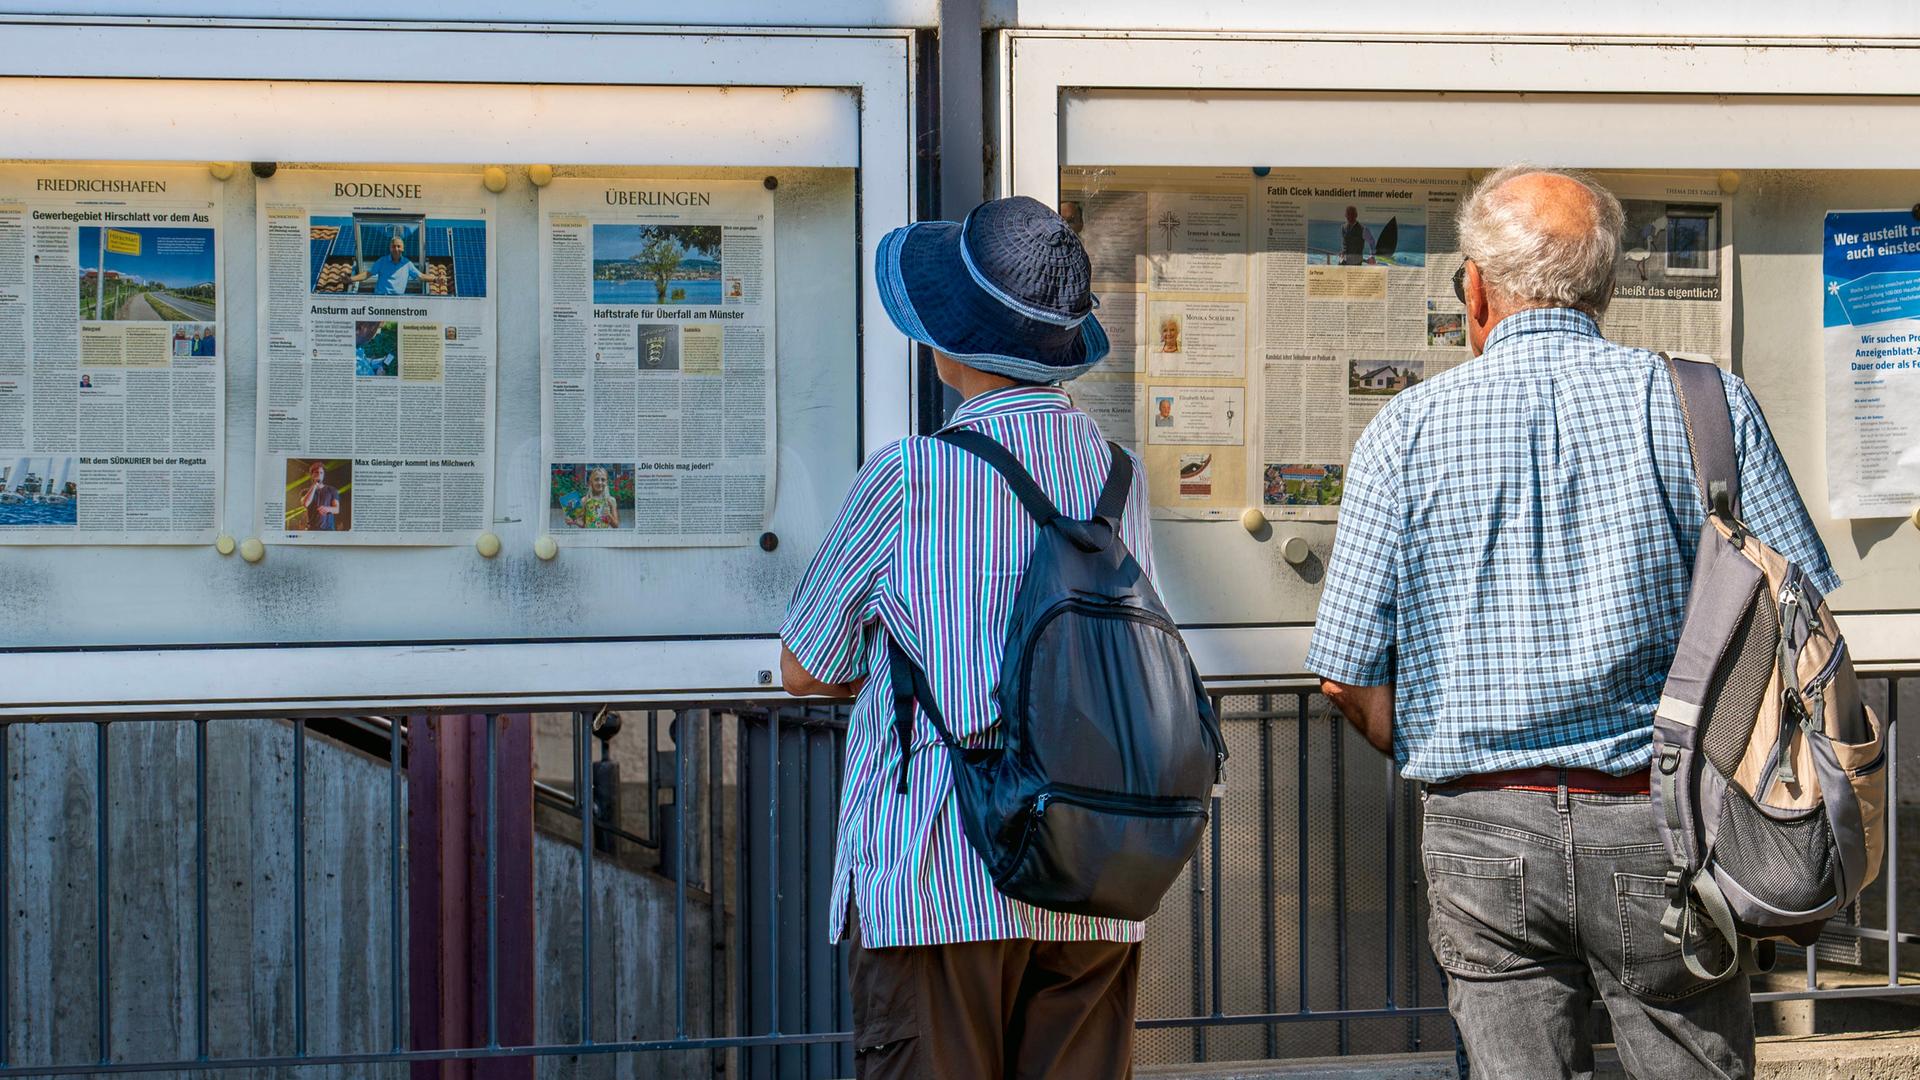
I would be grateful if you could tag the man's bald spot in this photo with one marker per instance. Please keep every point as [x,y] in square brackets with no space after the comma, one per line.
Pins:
[1559,205]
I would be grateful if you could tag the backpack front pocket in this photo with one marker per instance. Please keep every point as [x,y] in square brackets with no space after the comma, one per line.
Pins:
[1102,855]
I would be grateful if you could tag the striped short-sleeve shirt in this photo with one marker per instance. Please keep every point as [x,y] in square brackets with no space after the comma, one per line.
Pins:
[1516,542]
[929,550]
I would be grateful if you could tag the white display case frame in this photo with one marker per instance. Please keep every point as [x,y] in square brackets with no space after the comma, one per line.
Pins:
[750,96]
[1236,99]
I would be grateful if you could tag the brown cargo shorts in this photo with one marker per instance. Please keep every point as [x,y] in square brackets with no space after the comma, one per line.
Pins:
[1015,1009]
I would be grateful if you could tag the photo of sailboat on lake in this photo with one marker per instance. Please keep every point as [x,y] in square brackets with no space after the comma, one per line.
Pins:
[657,265]
[39,491]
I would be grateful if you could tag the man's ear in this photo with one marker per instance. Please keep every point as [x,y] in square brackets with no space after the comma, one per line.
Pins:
[1476,290]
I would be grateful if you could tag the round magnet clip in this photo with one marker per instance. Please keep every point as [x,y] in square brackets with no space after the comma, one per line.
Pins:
[495,179]
[1294,549]
[252,550]
[540,175]
[546,548]
[224,544]
[488,545]
[1729,181]
[1251,519]
[221,170]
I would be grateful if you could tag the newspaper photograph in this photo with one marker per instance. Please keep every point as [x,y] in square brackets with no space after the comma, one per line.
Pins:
[1871,300]
[375,410]
[112,355]
[656,351]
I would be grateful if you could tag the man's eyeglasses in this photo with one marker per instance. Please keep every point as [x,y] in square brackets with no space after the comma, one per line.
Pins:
[1460,282]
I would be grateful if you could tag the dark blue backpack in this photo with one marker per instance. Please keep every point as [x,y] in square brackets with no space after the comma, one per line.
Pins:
[1098,791]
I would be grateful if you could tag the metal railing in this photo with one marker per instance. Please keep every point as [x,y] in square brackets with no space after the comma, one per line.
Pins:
[1297,930]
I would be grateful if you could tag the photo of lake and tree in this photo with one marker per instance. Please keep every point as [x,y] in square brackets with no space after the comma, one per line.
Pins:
[656,264]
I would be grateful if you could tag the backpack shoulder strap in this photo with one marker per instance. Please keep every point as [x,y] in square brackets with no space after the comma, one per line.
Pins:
[1113,494]
[1111,505]
[1709,424]
[1024,486]
[909,684]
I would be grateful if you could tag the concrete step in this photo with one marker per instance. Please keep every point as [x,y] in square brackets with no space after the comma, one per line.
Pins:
[1880,1055]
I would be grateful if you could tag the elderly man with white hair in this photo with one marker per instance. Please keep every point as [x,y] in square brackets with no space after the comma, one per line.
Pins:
[1506,592]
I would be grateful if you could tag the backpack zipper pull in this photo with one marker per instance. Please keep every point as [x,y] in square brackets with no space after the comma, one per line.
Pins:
[1790,698]
[1788,726]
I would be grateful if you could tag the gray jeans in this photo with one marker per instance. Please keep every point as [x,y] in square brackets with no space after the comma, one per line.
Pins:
[1543,903]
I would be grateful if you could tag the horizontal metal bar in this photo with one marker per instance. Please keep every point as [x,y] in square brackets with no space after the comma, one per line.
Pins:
[1268,714]
[1230,1019]
[475,1053]
[1870,933]
[1877,990]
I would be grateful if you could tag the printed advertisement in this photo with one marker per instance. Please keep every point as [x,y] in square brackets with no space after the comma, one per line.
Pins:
[377,357]
[112,350]
[1265,316]
[1872,307]
[657,408]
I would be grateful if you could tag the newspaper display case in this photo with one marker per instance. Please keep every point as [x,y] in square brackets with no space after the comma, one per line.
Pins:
[426,236]
[1236,188]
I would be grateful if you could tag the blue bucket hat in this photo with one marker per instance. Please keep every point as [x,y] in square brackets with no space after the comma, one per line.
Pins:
[1008,291]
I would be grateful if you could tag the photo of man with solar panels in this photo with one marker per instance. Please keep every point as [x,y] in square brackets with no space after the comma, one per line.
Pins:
[387,254]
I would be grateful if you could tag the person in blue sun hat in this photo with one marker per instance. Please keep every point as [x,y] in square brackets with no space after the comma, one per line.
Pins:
[950,977]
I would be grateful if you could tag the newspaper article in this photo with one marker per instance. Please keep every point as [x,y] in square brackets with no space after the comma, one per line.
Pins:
[112,348]
[1261,318]
[1169,249]
[1673,290]
[657,408]
[376,389]
[1871,298]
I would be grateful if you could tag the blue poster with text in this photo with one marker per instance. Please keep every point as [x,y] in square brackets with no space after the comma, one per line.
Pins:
[1871,261]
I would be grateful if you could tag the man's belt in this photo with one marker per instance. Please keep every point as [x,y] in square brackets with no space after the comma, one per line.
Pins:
[1576,781]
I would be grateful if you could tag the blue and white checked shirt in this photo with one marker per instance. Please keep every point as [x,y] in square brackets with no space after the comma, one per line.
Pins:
[1515,547]
[930,547]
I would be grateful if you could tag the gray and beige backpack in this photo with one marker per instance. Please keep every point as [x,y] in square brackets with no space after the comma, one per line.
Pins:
[1769,773]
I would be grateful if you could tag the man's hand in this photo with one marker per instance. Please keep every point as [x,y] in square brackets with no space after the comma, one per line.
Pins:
[1368,708]
[797,681]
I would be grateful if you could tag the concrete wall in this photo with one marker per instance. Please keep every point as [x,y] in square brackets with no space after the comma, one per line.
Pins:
[52,929]
[51,926]
[633,968]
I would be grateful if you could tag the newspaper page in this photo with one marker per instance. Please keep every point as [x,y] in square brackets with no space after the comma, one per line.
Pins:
[1170,268]
[1673,285]
[1356,305]
[1261,318]
[112,381]
[1872,327]
[656,352]
[376,391]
